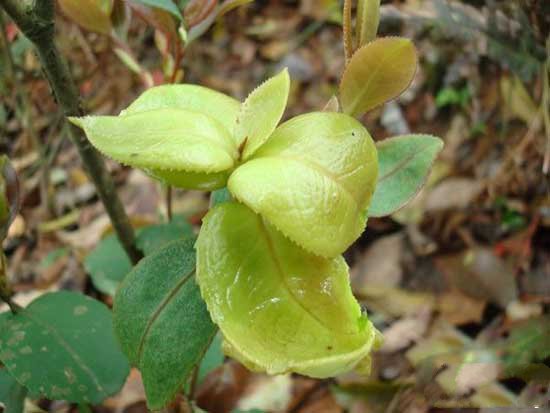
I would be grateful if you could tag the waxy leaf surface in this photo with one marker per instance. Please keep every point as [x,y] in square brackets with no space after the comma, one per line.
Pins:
[313,180]
[379,71]
[162,139]
[162,322]
[279,307]
[404,164]
[63,347]
[188,97]
[261,112]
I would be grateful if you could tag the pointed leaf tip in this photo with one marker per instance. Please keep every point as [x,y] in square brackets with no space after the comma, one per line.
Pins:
[404,163]
[261,112]
[313,180]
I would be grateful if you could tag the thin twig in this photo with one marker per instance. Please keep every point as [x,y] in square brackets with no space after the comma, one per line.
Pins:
[36,21]
[348,41]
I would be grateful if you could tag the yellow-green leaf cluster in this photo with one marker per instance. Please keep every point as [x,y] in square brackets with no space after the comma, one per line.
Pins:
[297,195]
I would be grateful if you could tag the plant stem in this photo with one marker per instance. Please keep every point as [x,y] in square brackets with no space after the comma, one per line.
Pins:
[37,23]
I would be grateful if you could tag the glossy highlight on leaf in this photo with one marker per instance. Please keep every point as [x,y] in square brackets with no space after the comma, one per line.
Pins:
[404,164]
[280,308]
[62,346]
[379,71]
[161,321]
[162,139]
[261,112]
[313,180]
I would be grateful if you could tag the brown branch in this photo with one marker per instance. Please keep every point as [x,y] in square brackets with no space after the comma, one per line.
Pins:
[36,21]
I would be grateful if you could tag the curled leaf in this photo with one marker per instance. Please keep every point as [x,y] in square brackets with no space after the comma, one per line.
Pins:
[162,139]
[404,164]
[280,308]
[261,112]
[313,180]
[379,71]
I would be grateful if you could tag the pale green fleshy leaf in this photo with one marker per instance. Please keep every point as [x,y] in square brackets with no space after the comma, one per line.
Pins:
[194,98]
[404,163]
[379,71]
[261,112]
[313,180]
[280,308]
[188,97]
[162,139]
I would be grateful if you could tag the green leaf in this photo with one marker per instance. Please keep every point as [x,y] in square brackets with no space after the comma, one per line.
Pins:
[154,237]
[197,99]
[379,71]
[528,342]
[93,15]
[162,139]
[188,97]
[261,112]
[62,346]
[313,180]
[191,180]
[368,18]
[220,196]
[108,263]
[167,5]
[279,308]
[404,163]
[12,394]
[162,322]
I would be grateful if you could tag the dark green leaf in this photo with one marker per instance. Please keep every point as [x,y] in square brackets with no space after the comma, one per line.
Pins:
[108,264]
[404,163]
[220,196]
[161,320]
[62,346]
[167,5]
[151,238]
[529,342]
[12,394]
